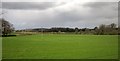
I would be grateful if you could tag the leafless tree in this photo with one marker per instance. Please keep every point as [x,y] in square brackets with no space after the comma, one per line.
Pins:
[6,27]
[76,30]
[102,29]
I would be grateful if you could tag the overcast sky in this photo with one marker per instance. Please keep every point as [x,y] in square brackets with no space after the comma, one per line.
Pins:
[25,14]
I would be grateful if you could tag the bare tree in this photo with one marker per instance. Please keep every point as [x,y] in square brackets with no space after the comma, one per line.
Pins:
[7,27]
[113,25]
[0,27]
[119,29]
[96,30]
[108,29]
[76,30]
[102,29]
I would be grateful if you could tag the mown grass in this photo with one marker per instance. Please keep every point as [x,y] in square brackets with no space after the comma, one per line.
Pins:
[61,46]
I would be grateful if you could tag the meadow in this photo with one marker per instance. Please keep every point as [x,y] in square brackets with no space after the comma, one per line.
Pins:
[60,46]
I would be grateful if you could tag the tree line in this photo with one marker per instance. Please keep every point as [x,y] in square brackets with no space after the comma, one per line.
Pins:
[111,29]
[7,28]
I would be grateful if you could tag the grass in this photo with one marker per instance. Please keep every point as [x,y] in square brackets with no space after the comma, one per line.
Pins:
[61,46]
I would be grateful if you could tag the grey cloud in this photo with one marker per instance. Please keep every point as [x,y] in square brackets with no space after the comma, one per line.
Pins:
[103,10]
[107,10]
[97,4]
[102,5]
[68,16]
[27,5]
[0,4]
[99,13]
[91,15]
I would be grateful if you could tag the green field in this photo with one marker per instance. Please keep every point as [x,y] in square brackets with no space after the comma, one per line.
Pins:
[61,46]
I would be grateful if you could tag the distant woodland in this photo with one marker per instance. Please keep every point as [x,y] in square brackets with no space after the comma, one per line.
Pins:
[111,29]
